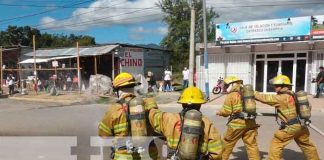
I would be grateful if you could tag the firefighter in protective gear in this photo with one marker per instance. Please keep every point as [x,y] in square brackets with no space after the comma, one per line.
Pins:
[116,122]
[290,127]
[171,124]
[238,126]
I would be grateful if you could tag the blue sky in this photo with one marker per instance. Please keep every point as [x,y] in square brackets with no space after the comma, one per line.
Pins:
[136,21]
[147,29]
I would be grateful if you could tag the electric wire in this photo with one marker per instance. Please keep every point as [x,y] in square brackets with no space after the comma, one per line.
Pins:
[76,15]
[39,13]
[78,25]
[216,3]
[99,19]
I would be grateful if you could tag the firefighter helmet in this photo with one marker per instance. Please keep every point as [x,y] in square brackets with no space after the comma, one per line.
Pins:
[192,95]
[123,79]
[281,80]
[231,79]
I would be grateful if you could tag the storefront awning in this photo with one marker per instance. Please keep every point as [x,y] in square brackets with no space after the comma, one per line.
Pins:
[84,51]
[31,60]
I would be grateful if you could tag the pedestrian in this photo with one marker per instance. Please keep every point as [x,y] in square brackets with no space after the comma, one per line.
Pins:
[151,82]
[178,130]
[117,121]
[239,127]
[39,85]
[11,85]
[290,128]
[68,82]
[185,75]
[319,82]
[167,80]
[35,85]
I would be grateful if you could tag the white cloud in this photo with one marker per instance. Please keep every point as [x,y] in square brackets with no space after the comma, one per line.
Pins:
[229,12]
[85,18]
[119,12]
[156,31]
[139,33]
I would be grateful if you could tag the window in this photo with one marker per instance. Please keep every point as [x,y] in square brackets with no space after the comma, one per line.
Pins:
[281,55]
[260,56]
[301,54]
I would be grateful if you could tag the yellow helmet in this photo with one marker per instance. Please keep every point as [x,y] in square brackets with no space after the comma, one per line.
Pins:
[192,95]
[123,79]
[281,80]
[231,79]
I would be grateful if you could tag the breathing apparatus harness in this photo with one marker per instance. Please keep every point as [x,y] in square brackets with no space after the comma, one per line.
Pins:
[126,144]
[297,119]
[173,153]
[242,115]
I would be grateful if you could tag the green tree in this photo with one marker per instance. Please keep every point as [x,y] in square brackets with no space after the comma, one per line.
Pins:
[177,17]
[14,35]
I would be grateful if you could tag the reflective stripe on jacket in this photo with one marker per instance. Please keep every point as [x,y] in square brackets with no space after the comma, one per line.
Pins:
[114,123]
[233,104]
[169,124]
[285,103]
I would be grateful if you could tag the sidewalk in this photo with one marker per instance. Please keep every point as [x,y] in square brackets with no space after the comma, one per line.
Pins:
[64,99]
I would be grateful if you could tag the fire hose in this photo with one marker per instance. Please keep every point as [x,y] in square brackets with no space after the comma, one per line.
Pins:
[307,123]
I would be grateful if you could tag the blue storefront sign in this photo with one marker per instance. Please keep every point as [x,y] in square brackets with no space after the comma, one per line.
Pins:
[287,29]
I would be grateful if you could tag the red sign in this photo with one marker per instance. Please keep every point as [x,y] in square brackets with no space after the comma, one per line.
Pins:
[129,61]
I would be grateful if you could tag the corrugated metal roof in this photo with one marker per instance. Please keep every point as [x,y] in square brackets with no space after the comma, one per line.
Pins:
[87,51]
[31,60]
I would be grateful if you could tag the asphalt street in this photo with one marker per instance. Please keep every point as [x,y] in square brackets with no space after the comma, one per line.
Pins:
[48,132]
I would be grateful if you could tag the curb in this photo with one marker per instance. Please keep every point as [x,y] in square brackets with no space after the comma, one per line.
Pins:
[44,100]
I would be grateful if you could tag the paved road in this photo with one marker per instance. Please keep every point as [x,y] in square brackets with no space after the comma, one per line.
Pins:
[44,131]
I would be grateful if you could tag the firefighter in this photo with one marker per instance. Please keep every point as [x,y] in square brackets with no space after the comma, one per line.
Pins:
[117,120]
[189,135]
[240,125]
[290,127]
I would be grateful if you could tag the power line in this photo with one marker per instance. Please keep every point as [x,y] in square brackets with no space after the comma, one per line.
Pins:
[266,5]
[39,13]
[46,6]
[76,15]
[99,19]
[216,3]
[94,22]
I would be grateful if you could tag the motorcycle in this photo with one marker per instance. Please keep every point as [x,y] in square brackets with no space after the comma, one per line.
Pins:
[220,87]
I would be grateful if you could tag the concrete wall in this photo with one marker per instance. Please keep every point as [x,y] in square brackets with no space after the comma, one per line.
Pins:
[222,65]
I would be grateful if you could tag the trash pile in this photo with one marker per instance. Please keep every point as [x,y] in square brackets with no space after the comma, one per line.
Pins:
[100,84]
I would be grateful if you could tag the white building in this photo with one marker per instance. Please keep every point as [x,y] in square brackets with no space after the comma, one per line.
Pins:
[299,57]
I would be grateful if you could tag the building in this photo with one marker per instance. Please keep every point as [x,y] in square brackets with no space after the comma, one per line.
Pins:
[257,51]
[107,59]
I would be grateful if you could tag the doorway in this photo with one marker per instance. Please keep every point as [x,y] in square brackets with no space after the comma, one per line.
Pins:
[268,66]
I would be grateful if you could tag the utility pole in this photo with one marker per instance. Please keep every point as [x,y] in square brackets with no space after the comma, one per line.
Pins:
[205,53]
[192,43]
[35,69]
[78,65]
[1,65]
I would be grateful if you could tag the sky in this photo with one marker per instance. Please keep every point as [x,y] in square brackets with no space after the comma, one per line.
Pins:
[135,21]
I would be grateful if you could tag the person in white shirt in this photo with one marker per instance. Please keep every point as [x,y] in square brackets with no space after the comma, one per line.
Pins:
[185,74]
[11,85]
[167,80]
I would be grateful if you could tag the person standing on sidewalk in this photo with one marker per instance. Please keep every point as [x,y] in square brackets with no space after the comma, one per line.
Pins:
[11,85]
[167,80]
[290,128]
[151,82]
[238,126]
[185,74]
[320,82]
